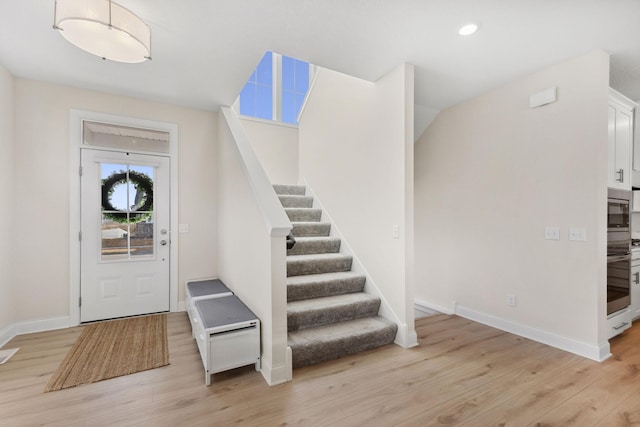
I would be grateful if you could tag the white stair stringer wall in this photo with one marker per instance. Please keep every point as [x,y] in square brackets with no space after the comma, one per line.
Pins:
[252,228]
[404,338]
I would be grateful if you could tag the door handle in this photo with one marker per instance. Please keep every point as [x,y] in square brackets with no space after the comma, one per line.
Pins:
[163,242]
[620,175]
[637,281]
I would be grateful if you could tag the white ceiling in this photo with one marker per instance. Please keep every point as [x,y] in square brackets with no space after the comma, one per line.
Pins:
[204,50]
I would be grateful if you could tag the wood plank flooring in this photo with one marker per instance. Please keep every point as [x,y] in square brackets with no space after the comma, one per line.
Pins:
[463,373]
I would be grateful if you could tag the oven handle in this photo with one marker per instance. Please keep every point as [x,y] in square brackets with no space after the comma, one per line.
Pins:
[616,258]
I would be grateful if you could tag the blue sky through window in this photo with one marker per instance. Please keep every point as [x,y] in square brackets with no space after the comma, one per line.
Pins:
[256,98]
[295,84]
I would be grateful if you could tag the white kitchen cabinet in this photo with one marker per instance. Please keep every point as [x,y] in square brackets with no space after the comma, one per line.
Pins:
[618,322]
[635,284]
[620,138]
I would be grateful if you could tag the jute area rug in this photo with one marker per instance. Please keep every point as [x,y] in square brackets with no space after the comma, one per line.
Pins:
[113,348]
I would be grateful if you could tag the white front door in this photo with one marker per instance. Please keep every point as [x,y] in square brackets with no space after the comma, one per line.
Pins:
[124,234]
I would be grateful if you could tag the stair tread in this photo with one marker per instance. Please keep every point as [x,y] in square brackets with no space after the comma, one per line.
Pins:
[295,201]
[324,284]
[313,224]
[338,331]
[310,228]
[318,257]
[322,303]
[292,209]
[317,239]
[322,277]
[285,189]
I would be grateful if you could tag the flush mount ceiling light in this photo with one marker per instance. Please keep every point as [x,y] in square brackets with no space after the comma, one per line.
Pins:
[467,30]
[103,28]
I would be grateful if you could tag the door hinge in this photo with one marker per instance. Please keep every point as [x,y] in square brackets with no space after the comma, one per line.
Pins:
[80,171]
[80,236]
[80,302]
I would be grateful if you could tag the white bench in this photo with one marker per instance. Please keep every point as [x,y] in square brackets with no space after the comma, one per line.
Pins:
[225,329]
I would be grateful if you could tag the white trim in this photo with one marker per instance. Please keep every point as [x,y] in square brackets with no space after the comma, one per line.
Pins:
[42,325]
[276,374]
[598,353]
[276,85]
[264,121]
[425,306]
[76,117]
[32,326]
[423,310]
[7,334]
[312,83]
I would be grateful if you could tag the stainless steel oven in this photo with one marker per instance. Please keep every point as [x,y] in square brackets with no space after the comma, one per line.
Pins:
[618,250]
[618,282]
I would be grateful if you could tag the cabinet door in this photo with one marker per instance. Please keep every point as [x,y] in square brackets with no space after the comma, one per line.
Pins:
[612,173]
[635,292]
[620,141]
[624,139]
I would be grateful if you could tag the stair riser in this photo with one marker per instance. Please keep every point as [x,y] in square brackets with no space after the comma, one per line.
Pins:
[296,201]
[315,247]
[322,351]
[334,314]
[309,230]
[300,268]
[303,214]
[297,190]
[325,289]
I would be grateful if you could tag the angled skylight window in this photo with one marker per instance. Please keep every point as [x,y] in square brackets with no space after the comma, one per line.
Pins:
[276,89]
[256,99]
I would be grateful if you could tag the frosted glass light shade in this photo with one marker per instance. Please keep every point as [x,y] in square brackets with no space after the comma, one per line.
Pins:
[103,28]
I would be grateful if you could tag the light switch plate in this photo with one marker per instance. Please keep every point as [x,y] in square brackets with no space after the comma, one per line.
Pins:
[578,234]
[552,233]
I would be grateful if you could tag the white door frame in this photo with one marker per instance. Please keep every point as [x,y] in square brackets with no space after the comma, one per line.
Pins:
[76,118]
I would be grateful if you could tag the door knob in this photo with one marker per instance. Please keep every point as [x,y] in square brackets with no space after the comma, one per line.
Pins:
[163,242]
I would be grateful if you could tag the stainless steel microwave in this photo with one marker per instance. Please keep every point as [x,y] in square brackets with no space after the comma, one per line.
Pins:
[618,210]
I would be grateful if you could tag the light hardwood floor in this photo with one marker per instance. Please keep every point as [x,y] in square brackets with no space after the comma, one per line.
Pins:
[463,373]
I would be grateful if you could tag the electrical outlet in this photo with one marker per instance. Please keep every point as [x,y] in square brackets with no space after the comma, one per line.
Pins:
[511,300]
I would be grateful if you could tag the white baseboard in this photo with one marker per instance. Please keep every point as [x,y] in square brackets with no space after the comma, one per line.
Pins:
[598,353]
[427,307]
[7,334]
[32,326]
[41,325]
[404,338]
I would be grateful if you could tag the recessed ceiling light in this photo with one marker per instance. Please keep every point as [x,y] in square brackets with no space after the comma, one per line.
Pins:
[467,30]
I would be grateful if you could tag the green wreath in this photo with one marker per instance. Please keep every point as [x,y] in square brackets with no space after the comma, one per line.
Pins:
[141,182]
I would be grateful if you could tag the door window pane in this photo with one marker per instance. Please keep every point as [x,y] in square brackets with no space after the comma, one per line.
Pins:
[127,229]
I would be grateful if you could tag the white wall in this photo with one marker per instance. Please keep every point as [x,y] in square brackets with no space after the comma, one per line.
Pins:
[423,118]
[356,153]
[7,300]
[40,255]
[276,146]
[252,260]
[491,173]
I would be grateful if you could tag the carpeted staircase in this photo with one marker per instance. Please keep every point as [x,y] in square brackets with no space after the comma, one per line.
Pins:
[328,313]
